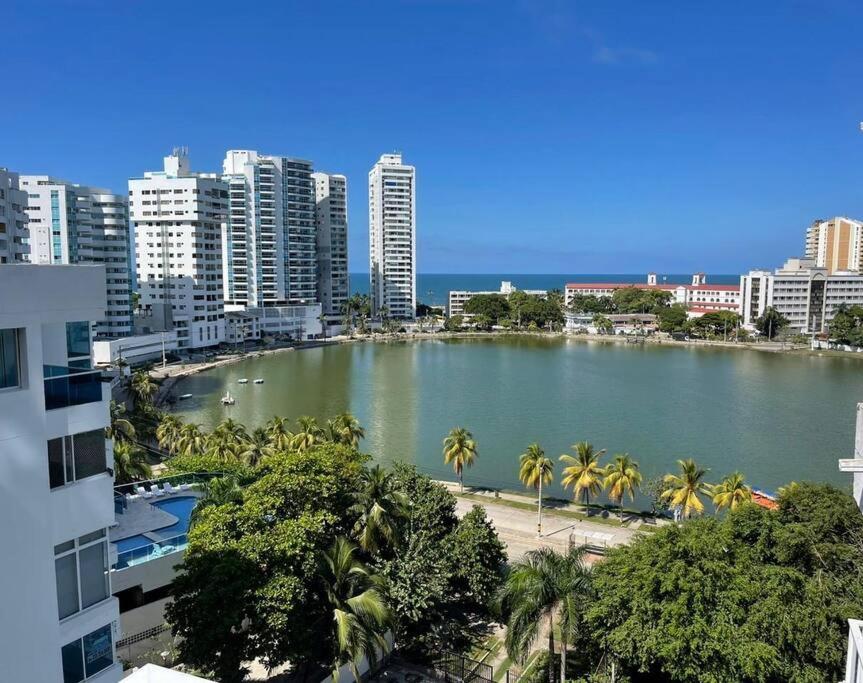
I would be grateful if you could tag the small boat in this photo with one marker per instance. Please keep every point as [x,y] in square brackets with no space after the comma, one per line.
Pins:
[260,380]
[183,397]
[242,381]
[227,399]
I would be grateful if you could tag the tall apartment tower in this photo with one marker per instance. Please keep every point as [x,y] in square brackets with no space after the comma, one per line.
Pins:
[836,244]
[178,217]
[392,237]
[61,622]
[269,239]
[14,234]
[331,224]
[71,224]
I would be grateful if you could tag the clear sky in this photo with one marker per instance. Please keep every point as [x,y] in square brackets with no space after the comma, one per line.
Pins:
[548,136]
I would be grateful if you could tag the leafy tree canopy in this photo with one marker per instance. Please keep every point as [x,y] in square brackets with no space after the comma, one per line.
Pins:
[672,318]
[638,300]
[493,306]
[771,323]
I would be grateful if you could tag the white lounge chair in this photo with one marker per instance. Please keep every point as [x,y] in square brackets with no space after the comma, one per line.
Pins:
[156,491]
[168,488]
[130,497]
[144,493]
[185,487]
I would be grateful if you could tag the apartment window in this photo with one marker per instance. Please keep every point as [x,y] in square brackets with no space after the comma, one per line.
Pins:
[10,375]
[81,569]
[78,344]
[76,457]
[87,656]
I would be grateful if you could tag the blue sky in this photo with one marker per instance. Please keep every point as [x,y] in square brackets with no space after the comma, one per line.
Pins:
[548,136]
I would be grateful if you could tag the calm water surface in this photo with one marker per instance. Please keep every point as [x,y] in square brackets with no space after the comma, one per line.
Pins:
[774,417]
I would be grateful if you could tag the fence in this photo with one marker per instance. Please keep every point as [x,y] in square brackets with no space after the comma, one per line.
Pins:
[455,668]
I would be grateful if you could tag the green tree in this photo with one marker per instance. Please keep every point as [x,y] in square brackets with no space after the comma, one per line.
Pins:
[379,507]
[308,434]
[168,433]
[493,306]
[346,429]
[535,470]
[731,492]
[256,447]
[622,477]
[583,473]
[191,441]
[216,491]
[682,490]
[459,450]
[482,322]
[119,428]
[143,389]
[453,323]
[279,431]
[771,323]
[130,463]
[672,318]
[544,590]
[603,324]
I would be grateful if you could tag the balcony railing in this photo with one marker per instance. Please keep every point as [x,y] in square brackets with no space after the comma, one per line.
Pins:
[65,386]
[151,551]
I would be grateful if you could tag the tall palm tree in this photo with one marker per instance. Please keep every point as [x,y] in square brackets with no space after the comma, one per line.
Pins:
[218,491]
[345,429]
[222,447]
[307,435]
[543,589]
[583,472]
[731,492]
[683,490]
[191,441]
[168,432]
[119,428]
[378,506]
[256,447]
[143,388]
[459,449]
[534,471]
[130,463]
[279,431]
[360,616]
[622,477]
[233,432]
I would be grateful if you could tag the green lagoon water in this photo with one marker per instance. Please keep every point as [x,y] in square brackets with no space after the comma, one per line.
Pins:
[775,417]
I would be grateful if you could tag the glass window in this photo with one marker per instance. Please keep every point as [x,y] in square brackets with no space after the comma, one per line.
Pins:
[73,662]
[76,457]
[66,569]
[56,467]
[81,568]
[9,370]
[98,650]
[94,574]
[78,339]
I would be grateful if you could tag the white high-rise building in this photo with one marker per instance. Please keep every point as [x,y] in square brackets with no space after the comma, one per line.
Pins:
[60,621]
[331,223]
[14,233]
[392,237]
[72,224]
[269,238]
[178,217]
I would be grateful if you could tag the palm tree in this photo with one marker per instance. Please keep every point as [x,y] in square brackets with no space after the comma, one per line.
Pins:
[222,447]
[460,449]
[218,491]
[307,435]
[346,429]
[583,473]
[543,589]
[256,447]
[379,507]
[279,431]
[622,477]
[190,440]
[731,492]
[682,490]
[130,463]
[119,428]
[535,471]
[143,388]
[168,432]
[232,432]
[359,612]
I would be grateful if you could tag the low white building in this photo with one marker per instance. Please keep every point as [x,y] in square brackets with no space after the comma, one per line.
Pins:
[300,322]
[139,348]
[458,298]
[56,474]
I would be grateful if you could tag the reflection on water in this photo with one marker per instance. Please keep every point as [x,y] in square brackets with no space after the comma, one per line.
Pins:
[775,417]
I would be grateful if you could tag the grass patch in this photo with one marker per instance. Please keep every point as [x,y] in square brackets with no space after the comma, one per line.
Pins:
[532,508]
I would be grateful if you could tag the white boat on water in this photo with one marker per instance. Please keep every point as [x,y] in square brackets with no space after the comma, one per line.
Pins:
[227,399]
[242,381]
[260,380]
[183,397]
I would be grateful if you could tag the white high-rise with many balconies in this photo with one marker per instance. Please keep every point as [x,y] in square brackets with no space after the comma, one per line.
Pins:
[331,224]
[14,233]
[392,237]
[178,218]
[72,224]
[60,622]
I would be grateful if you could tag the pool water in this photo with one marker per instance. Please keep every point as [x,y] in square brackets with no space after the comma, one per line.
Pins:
[181,508]
[131,543]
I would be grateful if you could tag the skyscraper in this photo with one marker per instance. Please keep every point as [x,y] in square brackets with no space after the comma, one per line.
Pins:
[331,225]
[72,224]
[392,237]
[13,220]
[178,218]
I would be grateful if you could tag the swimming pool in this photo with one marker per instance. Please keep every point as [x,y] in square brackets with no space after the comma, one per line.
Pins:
[140,548]
[181,508]
[131,543]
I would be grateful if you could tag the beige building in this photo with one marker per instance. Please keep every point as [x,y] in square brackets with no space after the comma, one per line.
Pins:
[836,244]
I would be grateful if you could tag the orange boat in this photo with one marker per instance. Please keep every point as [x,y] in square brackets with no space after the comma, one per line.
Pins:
[764,499]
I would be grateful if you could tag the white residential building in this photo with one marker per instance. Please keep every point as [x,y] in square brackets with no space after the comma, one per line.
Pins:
[331,223]
[269,239]
[392,237]
[459,297]
[14,234]
[301,322]
[60,619]
[178,217]
[806,295]
[72,224]
[836,244]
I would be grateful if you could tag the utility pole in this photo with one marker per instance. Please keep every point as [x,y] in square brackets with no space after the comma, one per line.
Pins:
[164,359]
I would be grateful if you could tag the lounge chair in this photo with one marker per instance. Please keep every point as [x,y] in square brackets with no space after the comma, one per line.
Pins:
[144,493]
[156,491]
[130,497]
[168,488]
[185,487]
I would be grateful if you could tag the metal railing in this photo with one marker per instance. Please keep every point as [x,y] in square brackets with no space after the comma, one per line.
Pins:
[151,551]
[457,668]
[121,490]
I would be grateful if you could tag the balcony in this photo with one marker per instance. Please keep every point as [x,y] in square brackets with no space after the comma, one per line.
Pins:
[65,386]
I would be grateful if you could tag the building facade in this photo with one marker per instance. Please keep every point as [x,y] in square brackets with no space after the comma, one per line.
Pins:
[72,224]
[57,503]
[836,244]
[392,237]
[806,295]
[458,298]
[269,239]
[14,233]
[178,218]
[331,224]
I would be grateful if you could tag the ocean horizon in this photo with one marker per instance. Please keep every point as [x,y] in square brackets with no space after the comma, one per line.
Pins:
[434,288]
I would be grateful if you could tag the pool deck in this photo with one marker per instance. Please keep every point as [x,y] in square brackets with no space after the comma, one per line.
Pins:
[141,518]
